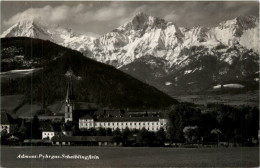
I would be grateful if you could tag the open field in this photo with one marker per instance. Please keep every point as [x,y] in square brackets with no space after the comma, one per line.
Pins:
[250,98]
[15,102]
[133,157]
[11,102]
[14,105]
[13,74]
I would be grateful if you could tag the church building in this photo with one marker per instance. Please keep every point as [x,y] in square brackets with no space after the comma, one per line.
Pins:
[109,118]
[69,101]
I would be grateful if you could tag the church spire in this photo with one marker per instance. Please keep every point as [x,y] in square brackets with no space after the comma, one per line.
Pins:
[70,98]
[70,95]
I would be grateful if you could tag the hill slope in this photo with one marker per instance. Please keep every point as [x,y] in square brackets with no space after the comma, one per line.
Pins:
[176,60]
[93,81]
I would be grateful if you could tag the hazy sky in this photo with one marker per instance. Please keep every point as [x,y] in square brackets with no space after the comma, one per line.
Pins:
[101,17]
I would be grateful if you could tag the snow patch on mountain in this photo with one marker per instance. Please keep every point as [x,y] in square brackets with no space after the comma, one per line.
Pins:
[229,86]
[187,72]
[168,83]
[147,35]
[23,71]
[250,39]
[18,73]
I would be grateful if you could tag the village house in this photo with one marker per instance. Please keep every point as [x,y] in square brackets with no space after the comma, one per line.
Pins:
[7,122]
[50,131]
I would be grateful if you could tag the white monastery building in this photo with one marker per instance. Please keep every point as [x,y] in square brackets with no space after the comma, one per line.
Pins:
[109,118]
[149,123]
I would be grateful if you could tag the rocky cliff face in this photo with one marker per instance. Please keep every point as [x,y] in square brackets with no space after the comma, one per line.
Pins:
[159,52]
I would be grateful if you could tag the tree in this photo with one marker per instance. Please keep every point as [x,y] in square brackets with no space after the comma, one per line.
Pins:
[23,130]
[145,138]
[84,132]
[126,134]
[3,132]
[253,122]
[75,130]
[4,137]
[117,136]
[207,123]
[101,132]
[176,125]
[92,132]
[35,128]
[109,132]
[191,135]
[160,136]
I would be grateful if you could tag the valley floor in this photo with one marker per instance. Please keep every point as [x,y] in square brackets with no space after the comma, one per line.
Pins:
[250,98]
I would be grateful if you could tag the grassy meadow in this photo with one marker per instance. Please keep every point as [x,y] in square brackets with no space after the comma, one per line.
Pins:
[133,157]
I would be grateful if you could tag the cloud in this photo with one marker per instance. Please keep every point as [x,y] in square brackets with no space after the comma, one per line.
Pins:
[107,13]
[102,17]
[77,14]
[47,13]
[196,13]
[172,16]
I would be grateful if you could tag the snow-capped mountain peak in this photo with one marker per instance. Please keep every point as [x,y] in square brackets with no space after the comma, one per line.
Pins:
[141,21]
[27,28]
[239,24]
[244,22]
[146,35]
[142,35]
[163,54]
[36,28]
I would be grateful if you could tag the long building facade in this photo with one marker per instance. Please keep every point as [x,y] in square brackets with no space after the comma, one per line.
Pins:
[110,118]
[149,123]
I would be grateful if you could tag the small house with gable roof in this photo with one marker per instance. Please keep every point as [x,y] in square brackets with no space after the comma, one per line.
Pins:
[7,122]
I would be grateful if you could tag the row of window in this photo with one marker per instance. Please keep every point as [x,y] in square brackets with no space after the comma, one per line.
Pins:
[51,133]
[149,129]
[54,133]
[119,123]
[114,126]
[4,127]
[63,143]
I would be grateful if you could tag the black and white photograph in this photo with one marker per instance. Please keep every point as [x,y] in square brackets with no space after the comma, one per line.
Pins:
[129,84]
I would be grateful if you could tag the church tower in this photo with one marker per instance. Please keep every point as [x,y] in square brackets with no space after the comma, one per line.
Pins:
[70,99]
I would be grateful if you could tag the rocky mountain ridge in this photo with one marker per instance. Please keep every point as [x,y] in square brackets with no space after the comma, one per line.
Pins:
[160,53]
[145,35]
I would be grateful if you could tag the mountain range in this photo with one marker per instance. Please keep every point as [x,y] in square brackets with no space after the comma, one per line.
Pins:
[37,69]
[174,59]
